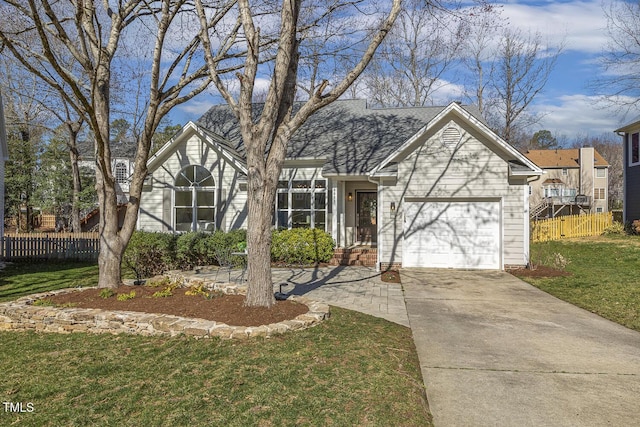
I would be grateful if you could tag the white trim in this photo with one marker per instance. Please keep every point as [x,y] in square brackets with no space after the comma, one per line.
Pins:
[526,228]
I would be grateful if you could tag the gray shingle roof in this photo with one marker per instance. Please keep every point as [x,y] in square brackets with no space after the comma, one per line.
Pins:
[351,138]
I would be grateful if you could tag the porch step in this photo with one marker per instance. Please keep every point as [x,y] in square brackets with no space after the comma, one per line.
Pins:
[366,257]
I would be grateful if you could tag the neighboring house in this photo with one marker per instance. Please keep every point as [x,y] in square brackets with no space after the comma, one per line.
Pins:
[631,170]
[574,181]
[4,156]
[122,155]
[429,186]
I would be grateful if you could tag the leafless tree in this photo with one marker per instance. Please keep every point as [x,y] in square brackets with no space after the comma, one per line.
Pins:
[523,66]
[619,82]
[92,33]
[423,45]
[267,135]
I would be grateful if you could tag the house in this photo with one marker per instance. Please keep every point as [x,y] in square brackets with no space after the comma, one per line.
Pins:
[419,187]
[575,181]
[4,156]
[631,170]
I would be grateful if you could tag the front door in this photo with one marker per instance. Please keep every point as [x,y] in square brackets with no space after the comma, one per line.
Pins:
[367,217]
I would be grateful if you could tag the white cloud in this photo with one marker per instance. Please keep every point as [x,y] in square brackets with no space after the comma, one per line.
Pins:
[578,115]
[581,24]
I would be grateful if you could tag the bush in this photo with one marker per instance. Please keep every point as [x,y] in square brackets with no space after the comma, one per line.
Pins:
[191,250]
[150,253]
[615,228]
[301,246]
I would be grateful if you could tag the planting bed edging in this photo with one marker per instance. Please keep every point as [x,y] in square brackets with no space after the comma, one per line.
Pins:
[23,315]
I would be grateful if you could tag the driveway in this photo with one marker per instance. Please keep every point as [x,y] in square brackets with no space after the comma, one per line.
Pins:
[495,351]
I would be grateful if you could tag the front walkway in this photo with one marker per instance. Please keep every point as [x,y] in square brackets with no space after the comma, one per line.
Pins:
[355,288]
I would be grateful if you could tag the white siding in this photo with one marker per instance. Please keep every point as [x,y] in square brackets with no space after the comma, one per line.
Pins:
[230,201]
[433,171]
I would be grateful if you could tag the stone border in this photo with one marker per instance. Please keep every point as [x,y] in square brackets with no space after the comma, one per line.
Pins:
[23,315]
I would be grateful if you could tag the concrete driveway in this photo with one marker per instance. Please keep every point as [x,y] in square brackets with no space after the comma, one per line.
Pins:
[495,351]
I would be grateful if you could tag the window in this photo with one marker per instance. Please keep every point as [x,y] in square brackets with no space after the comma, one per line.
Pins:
[599,194]
[551,192]
[565,171]
[121,173]
[601,173]
[634,149]
[599,210]
[301,204]
[194,200]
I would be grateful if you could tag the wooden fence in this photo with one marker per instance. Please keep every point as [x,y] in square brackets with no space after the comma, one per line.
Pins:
[564,227]
[49,246]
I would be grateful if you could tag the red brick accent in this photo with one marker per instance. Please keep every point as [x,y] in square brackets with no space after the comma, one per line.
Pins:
[356,256]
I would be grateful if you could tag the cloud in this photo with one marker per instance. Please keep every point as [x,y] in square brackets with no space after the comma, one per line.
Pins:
[580,24]
[578,115]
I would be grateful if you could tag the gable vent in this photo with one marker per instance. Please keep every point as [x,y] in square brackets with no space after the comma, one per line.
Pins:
[450,137]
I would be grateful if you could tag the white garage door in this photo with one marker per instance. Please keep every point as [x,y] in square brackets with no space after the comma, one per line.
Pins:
[452,235]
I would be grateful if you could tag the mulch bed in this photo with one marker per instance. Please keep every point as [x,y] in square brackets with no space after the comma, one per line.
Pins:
[390,276]
[539,271]
[223,308]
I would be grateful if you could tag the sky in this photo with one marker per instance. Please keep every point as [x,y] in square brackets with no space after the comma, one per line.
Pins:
[567,107]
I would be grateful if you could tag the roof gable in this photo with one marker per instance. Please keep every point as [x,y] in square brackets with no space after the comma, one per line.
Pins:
[562,158]
[220,145]
[518,163]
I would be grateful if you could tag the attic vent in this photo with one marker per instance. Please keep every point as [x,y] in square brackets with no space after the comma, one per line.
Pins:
[450,137]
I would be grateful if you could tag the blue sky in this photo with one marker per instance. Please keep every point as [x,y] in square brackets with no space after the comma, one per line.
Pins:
[567,106]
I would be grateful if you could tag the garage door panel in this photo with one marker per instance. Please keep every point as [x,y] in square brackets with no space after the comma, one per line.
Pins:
[452,235]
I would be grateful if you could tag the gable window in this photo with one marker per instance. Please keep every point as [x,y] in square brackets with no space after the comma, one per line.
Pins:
[599,194]
[194,200]
[301,204]
[565,171]
[601,173]
[634,149]
[121,173]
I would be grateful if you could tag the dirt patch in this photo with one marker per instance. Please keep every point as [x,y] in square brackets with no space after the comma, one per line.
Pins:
[539,271]
[223,308]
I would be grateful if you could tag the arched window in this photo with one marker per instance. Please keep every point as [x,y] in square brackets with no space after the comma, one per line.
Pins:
[121,173]
[194,200]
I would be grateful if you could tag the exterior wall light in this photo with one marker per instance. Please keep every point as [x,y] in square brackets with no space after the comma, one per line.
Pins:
[393,206]
[350,197]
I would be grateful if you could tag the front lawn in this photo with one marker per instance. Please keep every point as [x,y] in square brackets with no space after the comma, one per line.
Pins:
[24,278]
[605,275]
[353,369]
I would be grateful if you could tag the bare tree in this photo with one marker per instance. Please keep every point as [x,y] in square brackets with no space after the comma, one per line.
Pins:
[266,132]
[409,66]
[91,33]
[523,67]
[480,34]
[619,82]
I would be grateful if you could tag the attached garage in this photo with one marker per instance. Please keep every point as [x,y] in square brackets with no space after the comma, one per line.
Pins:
[452,234]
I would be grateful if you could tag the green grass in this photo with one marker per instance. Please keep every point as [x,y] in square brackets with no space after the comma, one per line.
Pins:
[352,369]
[24,278]
[604,279]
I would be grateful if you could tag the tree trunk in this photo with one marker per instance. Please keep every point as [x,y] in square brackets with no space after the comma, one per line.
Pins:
[261,200]
[77,184]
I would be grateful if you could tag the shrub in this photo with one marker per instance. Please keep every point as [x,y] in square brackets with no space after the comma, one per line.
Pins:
[302,246]
[615,228]
[150,253]
[125,297]
[106,293]
[191,250]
